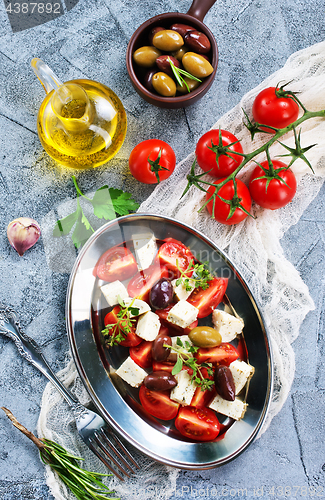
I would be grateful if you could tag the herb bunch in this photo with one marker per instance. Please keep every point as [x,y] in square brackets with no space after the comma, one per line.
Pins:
[200,276]
[126,317]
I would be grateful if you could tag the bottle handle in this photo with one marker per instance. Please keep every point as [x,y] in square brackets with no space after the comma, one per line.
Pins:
[45,75]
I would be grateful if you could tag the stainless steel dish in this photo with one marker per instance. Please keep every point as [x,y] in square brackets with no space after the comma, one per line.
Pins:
[116,401]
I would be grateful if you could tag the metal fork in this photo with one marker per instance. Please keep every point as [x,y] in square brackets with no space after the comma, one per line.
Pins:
[91,427]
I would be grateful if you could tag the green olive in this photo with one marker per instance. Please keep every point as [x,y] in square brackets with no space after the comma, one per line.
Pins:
[192,85]
[205,336]
[197,65]
[178,54]
[164,84]
[167,40]
[146,56]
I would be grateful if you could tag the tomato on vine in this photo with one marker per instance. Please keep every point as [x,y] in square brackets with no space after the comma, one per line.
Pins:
[275,107]
[218,151]
[152,161]
[231,204]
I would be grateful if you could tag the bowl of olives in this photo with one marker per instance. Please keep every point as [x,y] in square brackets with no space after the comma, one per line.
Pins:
[172,58]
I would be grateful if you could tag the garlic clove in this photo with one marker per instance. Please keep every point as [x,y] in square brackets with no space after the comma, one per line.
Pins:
[23,233]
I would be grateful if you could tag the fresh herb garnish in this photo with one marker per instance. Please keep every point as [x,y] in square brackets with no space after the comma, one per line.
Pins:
[178,75]
[117,332]
[107,204]
[185,357]
[200,277]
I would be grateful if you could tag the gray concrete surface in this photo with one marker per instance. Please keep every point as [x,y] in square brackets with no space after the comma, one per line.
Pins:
[255,38]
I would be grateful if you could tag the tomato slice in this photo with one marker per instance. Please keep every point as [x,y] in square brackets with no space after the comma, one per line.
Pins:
[175,256]
[174,329]
[201,398]
[141,354]
[158,403]
[224,353]
[117,263]
[157,366]
[207,300]
[198,424]
[131,339]
[139,286]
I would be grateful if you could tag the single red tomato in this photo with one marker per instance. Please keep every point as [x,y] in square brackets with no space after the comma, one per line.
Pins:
[199,424]
[278,112]
[211,153]
[224,353]
[201,398]
[209,299]
[111,318]
[158,403]
[176,257]
[141,354]
[152,161]
[117,263]
[272,192]
[139,286]
[158,366]
[221,209]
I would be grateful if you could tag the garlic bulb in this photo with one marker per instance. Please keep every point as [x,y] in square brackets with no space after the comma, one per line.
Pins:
[23,233]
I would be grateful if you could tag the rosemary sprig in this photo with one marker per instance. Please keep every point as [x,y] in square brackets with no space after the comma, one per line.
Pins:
[117,332]
[178,75]
[85,485]
[200,277]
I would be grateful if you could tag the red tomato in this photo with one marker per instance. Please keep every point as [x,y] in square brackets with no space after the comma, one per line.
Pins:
[199,424]
[131,339]
[174,255]
[221,209]
[162,365]
[117,263]
[139,286]
[276,194]
[158,403]
[279,112]
[210,153]
[141,354]
[152,161]
[224,353]
[209,299]
[201,398]
[174,329]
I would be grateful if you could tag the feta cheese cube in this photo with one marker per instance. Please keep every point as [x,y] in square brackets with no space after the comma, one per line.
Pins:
[183,338]
[112,291]
[233,409]
[227,325]
[131,373]
[180,290]
[145,248]
[139,304]
[182,314]
[148,326]
[184,390]
[241,373]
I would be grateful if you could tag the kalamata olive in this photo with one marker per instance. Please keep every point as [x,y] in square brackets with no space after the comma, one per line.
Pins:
[146,56]
[196,65]
[164,84]
[192,85]
[158,351]
[164,64]
[198,42]
[147,80]
[167,40]
[224,382]
[160,381]
[178,54]
[161,293]
[153,32]
[205,336]
[182,29]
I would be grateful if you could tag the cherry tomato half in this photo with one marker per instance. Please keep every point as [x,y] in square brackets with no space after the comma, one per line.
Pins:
[117,263]
[175,256]
[222,209]
[201,398]
[152,161]
[158,403]
[209,299]
[199,424]
[111,318]
[224,353]
[279,112]
[141,354]
[208,158]
[276,194]
[140,285]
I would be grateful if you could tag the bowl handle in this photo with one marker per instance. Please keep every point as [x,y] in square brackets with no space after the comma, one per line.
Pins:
[199,8]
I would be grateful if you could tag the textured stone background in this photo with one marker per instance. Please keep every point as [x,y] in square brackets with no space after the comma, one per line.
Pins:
[255,39]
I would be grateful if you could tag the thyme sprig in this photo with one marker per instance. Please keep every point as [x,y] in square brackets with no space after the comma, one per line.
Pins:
[85,485]
[178,72]
[200,277]
[118,331]
[185,351]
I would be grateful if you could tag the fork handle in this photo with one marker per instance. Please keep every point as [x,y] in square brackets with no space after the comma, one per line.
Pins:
[30,350]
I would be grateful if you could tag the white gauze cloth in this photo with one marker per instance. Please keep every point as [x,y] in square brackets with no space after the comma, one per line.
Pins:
[253,246]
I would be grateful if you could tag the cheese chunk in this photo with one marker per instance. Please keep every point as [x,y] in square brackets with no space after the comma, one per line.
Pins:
[148,326]
[241,372]
[227,325]
[139,304]
[180,290]
[182,314]
[184,390]
[112,291]
[131,373]
[233,409]
[183,338]
[145,247]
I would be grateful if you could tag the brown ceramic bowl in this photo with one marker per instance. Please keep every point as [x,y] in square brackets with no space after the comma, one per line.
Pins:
[194,17]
